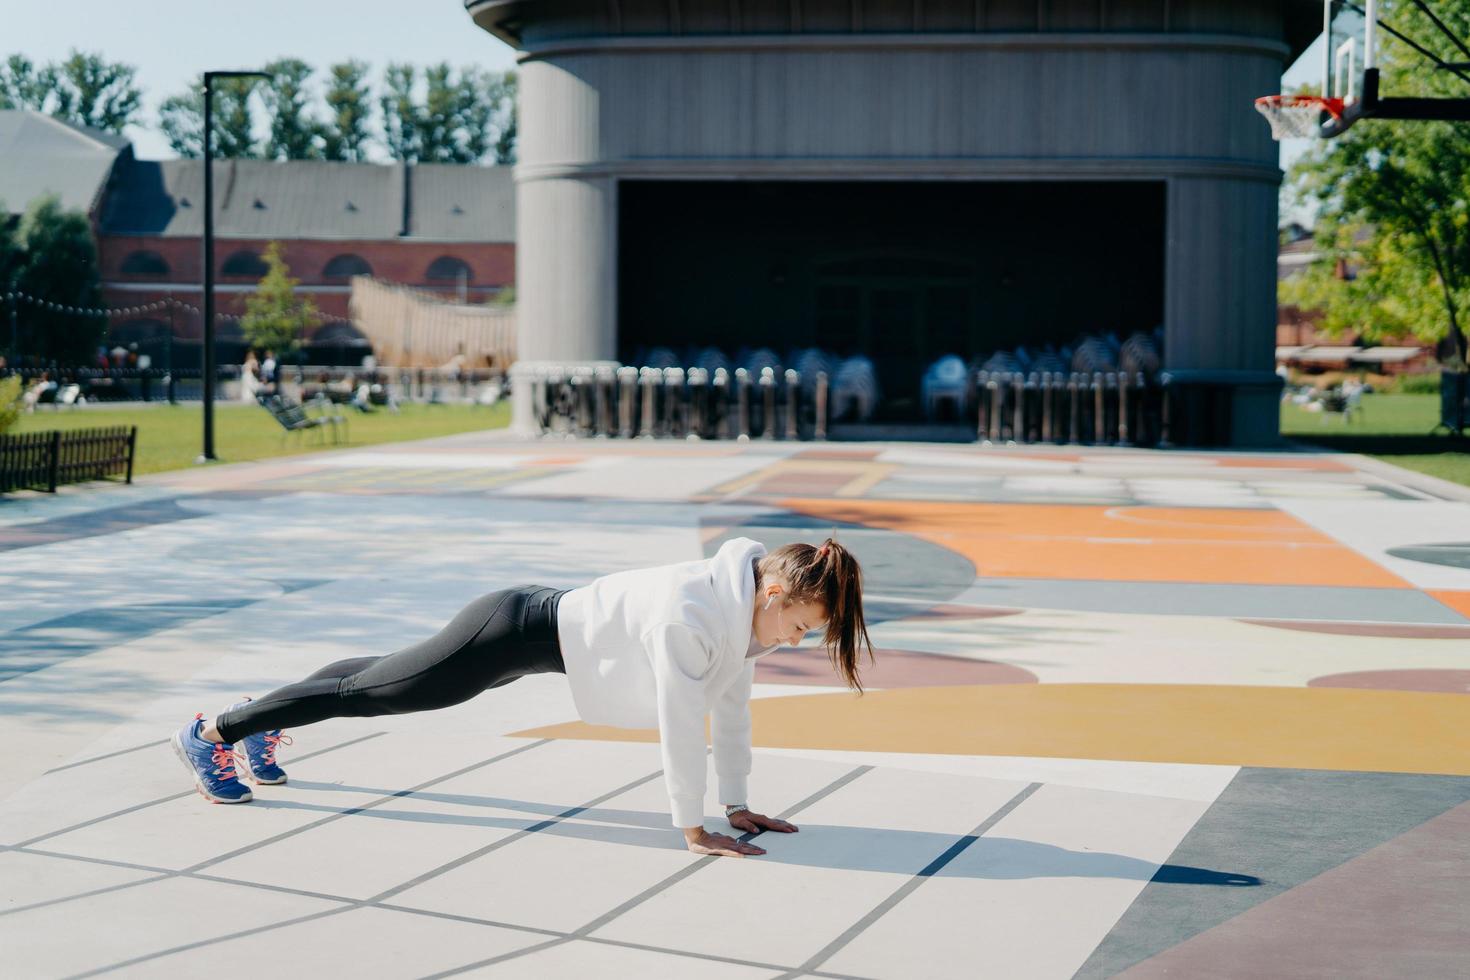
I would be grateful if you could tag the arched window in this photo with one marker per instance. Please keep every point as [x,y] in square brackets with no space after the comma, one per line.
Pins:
[144,263]
[345,265]
[447,268]
[244,263]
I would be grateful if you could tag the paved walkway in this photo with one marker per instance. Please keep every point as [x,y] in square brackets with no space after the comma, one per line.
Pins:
[1134,713]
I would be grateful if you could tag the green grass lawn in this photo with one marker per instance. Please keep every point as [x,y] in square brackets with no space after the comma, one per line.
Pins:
[171,436]
[1393,428]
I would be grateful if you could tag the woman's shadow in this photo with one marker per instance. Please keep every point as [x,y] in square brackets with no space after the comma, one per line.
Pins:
[903,852]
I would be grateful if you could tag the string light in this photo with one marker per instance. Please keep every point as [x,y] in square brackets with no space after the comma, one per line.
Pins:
[16,296]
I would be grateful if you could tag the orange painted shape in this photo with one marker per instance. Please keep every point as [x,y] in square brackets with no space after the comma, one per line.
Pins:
[1458,601]
[1324,728]
[1315,464]
[1122,544]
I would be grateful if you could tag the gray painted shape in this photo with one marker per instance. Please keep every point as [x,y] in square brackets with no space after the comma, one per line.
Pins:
[43,644]
[894,564]
[1452,555]
[1284,826]
[1294,602]
[94,524]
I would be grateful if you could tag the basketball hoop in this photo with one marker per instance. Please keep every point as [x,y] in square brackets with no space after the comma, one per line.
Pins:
[1297,115]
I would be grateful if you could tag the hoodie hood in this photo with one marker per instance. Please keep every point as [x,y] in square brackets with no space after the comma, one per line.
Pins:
[733,582]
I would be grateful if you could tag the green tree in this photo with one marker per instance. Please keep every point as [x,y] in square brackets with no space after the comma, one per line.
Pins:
[97,93]
[441,130]
[467,116]
[505,96]
[275,317]
[23,85]
[11,258]
[488,115]
[11,255]
[1394,205]
[59,267]
[349,101]
[10,391]
[181,120]
[401,114]
[295,132]
[85,89]
[234,117]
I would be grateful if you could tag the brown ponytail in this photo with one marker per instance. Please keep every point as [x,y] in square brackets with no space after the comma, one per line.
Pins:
[830,575]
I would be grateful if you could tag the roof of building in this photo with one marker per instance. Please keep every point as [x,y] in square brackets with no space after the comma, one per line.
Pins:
[1300,21]
[314,199]
[40,155]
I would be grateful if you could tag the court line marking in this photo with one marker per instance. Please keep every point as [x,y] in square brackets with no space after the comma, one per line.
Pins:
[373,901]
[165,799]
[584,931]
[110,755]
[907,888]
[406,909]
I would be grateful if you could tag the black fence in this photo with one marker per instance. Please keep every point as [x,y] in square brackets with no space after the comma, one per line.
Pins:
[119,384]
[187,384]
[46,460]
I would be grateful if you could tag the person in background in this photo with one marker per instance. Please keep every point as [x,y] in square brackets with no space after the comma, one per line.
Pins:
[249,377]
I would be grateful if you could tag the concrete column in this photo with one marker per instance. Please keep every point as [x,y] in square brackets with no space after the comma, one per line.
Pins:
[1220,295]
[567,244]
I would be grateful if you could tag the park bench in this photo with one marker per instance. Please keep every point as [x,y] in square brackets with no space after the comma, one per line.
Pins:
[292,416]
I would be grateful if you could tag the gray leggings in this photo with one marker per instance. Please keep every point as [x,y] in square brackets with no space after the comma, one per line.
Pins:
[492,641]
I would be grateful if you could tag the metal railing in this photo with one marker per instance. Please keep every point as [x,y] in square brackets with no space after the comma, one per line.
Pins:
[1097,408]
[627,402]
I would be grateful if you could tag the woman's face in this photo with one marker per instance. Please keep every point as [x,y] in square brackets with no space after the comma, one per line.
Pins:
[778,622]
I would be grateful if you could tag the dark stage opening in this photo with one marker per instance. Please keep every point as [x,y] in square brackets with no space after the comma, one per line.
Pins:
[902,272]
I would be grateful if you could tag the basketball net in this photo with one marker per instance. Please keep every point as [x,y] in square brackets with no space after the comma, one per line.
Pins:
[1297,115]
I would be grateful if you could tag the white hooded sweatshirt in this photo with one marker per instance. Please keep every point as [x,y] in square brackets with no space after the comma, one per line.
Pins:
[661,647]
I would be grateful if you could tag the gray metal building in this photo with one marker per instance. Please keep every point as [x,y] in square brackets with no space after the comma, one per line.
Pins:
[905,176]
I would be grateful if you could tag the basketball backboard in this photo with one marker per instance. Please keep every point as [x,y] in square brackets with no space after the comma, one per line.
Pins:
[1348,31]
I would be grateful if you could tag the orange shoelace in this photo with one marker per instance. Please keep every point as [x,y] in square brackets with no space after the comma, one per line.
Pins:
[272,742]
[224,761]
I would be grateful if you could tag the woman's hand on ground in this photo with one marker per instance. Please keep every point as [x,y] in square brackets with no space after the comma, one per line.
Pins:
[752,822]
[703,842]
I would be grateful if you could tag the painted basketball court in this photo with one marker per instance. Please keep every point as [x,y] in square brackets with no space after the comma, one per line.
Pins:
[1141,714]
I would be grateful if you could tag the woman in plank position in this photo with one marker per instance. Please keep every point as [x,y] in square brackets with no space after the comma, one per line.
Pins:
[658,646]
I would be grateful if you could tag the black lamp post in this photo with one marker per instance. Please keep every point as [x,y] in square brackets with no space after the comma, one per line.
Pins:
[209,78]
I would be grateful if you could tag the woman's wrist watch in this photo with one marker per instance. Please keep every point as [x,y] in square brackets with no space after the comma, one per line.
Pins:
[731,808]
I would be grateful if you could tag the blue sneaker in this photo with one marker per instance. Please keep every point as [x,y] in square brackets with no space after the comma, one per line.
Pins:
[259,757]
[212,763]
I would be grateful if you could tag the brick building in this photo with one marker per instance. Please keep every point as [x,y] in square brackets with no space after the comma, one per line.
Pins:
[441,228]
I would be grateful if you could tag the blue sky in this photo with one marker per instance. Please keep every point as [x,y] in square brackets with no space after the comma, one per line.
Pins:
[171,42]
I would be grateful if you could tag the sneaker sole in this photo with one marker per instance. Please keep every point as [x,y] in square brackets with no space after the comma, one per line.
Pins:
[198,781]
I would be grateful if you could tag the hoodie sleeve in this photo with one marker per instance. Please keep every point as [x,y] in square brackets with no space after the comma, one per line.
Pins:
[680,661]
[730,730]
